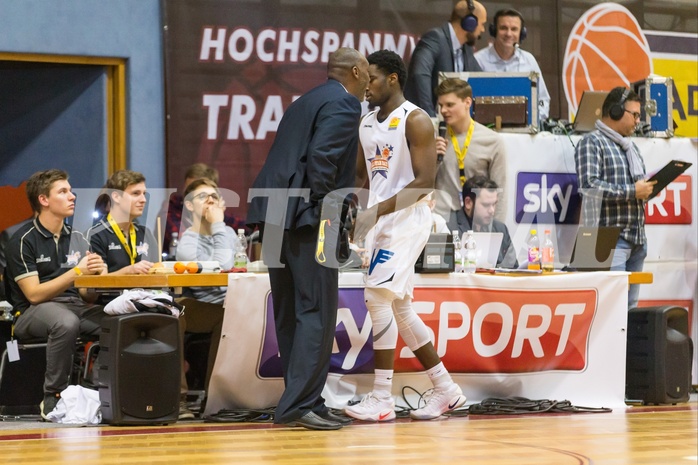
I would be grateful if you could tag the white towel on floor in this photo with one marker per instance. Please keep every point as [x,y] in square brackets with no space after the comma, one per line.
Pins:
[77,406]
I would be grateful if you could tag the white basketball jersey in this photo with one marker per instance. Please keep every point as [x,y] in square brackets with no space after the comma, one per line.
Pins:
[386,152]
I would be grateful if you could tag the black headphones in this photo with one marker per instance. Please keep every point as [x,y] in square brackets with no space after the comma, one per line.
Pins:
[617,110]
[469,22]
[493,25]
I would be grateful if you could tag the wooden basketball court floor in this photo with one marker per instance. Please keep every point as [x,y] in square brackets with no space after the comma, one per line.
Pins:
[662,435]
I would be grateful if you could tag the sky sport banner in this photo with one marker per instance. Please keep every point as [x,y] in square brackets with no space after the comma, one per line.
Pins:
[545,192]
[479,331]
[541,337]
[247,349]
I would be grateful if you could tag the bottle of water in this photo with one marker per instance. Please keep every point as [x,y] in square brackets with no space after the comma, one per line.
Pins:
[240,260]
[470,258]
[547,252]
[533,251]
[457,253]
[174,242]
[243,240]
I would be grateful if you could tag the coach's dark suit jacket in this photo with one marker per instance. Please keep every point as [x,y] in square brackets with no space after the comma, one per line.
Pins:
[315,148]
[432,55]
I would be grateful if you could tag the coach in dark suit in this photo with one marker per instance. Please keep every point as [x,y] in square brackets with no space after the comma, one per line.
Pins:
[446,48]
[313,155]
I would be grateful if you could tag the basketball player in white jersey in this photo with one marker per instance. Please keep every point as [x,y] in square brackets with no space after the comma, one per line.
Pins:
[397,155]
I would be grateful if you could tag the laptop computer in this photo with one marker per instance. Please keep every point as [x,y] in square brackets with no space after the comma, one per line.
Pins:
[589,110]
[488,245]
[593,248]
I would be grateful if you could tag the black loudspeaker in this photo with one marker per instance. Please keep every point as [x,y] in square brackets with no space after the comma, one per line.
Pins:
[139,369]
[22,382]
[659,355]
[617,110]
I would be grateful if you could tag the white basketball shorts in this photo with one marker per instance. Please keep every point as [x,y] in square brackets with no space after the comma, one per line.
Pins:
[399,238]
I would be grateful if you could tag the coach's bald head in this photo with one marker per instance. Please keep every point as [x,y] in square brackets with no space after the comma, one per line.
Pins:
[349,67]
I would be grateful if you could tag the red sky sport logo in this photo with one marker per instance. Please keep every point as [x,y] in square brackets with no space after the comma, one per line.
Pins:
[485,330]
[673,205]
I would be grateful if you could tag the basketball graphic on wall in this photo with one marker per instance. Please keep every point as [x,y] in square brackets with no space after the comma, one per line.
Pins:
[605,49]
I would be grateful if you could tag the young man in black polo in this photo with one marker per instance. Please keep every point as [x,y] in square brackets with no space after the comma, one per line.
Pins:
[126,246]
[43,259]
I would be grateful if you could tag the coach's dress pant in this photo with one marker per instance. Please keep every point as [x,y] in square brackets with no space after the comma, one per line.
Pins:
[304,295]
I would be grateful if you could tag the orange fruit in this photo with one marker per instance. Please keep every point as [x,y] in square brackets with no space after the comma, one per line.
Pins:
[194,267]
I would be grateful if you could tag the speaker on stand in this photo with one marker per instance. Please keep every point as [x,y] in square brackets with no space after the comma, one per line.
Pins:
[659,355]
[139,369]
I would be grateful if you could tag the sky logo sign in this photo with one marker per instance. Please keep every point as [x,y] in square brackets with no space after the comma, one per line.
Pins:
[548,198]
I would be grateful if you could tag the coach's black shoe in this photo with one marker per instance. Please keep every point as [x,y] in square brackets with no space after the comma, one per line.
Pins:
[341,419]
[312,421]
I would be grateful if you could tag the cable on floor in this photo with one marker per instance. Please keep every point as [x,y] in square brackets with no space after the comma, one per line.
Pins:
[265,415]
[522,405]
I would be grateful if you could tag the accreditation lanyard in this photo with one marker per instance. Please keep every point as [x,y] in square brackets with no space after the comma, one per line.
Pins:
[131,251]
[461,153]
[320,249]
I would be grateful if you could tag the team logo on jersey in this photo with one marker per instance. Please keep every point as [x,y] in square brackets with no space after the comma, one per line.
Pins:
[380,256]
[379,163]
[73,258]
[43,259]
[113,246]
[394,123]
[142,249]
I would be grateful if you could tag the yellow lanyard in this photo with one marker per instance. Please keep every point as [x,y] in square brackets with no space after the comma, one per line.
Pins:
[320,250]
[131,251]
[460,153]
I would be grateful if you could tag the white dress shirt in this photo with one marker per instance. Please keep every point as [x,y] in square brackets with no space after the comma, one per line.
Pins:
[457,50]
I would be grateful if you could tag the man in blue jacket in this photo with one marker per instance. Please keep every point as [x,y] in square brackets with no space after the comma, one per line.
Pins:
[312,157]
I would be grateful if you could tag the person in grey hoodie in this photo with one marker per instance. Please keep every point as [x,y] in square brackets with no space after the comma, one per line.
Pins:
[208,239]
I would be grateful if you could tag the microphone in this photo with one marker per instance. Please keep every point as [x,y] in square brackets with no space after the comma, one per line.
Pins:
[442,133]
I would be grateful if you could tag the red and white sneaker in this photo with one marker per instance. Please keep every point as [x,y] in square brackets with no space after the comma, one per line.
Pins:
[438,402]
[372,408]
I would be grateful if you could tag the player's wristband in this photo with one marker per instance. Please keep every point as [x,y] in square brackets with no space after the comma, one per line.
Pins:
[78,271]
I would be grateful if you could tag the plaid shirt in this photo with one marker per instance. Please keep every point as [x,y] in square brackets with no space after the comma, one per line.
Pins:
[608,188]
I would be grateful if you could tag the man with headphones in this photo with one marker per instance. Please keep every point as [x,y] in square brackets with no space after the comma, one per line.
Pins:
[612,181]
[446,48]
[505,54]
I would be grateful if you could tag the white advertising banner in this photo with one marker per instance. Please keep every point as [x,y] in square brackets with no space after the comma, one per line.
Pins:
[559,337]
[542,187]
